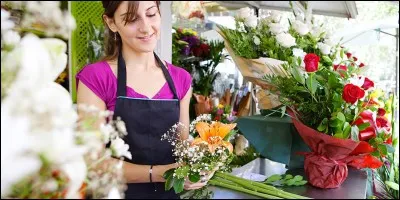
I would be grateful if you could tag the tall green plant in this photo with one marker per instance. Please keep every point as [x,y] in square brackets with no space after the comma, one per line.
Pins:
[95,45]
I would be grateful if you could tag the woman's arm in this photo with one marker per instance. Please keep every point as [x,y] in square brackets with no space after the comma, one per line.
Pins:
[184,114]
[133,173]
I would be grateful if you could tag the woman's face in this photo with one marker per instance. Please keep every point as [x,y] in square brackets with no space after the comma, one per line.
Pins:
[142,31]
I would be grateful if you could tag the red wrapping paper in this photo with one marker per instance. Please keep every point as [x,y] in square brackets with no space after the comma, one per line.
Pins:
[326,164]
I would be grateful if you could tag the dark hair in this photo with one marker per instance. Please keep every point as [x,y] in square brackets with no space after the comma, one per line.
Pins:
[113,43]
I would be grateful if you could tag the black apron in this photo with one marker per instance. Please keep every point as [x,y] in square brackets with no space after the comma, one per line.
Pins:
[146,121]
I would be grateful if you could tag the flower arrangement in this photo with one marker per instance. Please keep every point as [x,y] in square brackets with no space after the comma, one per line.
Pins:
[209,152]
[46,153]
[318,81]
[223,113]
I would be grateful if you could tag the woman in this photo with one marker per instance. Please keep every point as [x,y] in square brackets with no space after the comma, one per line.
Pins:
[148,94]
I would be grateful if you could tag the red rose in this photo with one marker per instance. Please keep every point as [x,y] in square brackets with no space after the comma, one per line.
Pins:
[361,65]
[341,68]
[201,51]
[369,132]
[355,58]
[382,122]
[351,93]
[367,84]
[381,112]
[311,60]
[348,55]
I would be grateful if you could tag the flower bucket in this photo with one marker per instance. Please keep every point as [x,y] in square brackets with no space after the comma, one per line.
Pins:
[326,164]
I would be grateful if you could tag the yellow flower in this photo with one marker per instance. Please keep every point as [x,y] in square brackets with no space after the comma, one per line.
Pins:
[377,93]
[213,135]
[220,106]
[189,31]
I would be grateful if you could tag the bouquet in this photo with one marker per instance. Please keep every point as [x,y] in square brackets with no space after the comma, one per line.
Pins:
[46,153]
[340,115]
[223,113]
[210,151]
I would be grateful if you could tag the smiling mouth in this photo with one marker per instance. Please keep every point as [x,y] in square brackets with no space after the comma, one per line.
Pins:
[146,37]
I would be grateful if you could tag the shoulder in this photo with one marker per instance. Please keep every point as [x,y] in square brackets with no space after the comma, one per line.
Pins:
[178,72]
[94,68]
[182,79]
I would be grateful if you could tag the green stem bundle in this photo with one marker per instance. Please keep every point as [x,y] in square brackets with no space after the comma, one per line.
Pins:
[251,187]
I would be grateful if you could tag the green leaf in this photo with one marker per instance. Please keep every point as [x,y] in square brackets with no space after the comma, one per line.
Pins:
[363,126]
[383,149]
[288,176]
[346,130]
[323,125]
[339,135]
[297,75]
[392,185]
[395,142]
[169,183]
[178,185]
[312,84]
[299,61]
[341,117]
[182,171]
[300,183]
[354,133]
[194,178]
[335,123]
[290,182]
[168,173]
[342,53]
[389,148]
[327,59]
[273,178]
[298,178]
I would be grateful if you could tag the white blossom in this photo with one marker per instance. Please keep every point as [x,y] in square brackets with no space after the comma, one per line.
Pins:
[277,28]
[11,38]
[300,27]
[301,54]
[240,29]
[286,40]
[114,194]
[120,148]
[324,48]
[6,23]
[256,40]
[251,21]
[244,13]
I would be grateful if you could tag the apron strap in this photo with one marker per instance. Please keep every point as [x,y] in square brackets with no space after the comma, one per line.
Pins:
[121,77]
[167,76]
[121,82]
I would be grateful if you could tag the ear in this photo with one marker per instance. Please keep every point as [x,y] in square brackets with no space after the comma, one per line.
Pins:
[110,23]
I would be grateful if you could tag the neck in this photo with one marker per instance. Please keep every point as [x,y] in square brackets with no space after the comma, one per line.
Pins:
[138,60]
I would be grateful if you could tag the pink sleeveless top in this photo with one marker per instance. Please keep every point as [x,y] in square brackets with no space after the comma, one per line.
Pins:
[99,78]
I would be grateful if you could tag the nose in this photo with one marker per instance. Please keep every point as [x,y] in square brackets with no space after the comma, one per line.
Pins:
[144,25]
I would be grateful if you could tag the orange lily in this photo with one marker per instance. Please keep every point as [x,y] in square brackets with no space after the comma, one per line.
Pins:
[213,135]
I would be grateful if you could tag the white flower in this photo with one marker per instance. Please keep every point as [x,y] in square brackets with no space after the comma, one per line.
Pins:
[34,7]
[277,28]
[251,21]
[355,80]
[256,40]
[275,16]
[120,148]
[76,171]
[6,23]
[114,194]
[50,185]
[240,29]
[301,54]
[57,49]
[11,38]
[286,40]
[244,13]
[324,48]
[300,27]
[316,32]
[16,143]
[330,42]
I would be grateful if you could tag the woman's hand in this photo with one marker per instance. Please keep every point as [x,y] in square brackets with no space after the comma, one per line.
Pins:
[205,176]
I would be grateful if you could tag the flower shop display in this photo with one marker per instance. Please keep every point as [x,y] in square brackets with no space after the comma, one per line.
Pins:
[200,58]
[339,114]
[211,152]
[46,151]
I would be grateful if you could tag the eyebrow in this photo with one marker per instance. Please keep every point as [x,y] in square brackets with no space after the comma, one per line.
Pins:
[146,10]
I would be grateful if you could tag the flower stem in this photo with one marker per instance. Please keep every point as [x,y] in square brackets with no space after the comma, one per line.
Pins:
[240,189]
[259,186]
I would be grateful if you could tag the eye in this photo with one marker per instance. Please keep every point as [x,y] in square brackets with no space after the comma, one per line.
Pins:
[151,15]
